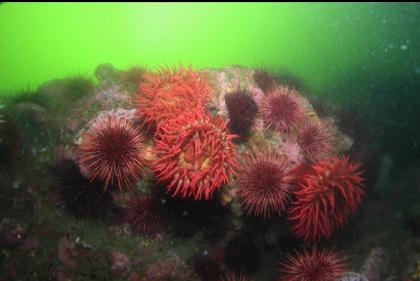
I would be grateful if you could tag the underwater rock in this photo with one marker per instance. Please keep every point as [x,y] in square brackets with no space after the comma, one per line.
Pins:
[1,116]
[131,78]
[107,75]
[29,245]
[242,254]
[413,219]
[170,267]
[384,174]
[411,247]
[135,276]
[408,187]
[67,252]
[226,80]
[60,97]
[61,91]
[108,95]
[119,263]
[100,118]
[59,274]
[412,268]
[112,97]
[206,267]
[375,265]
[34,128]
[10,142]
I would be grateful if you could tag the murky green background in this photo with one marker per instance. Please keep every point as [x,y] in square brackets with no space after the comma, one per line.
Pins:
[320,42]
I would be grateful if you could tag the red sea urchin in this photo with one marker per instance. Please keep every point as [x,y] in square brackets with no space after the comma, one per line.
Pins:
[281,110]
[331,192]
[264,184]
[143,214]
[194,154]
[314,265]
[167,93]
[112,151]
[315,141]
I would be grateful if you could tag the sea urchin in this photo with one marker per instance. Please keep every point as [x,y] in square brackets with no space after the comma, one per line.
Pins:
[265,80]
[315,141]
[314,265]
[194,154]
[111,151]
[281,110]
[81,197]
[264,184]
[144,214]
[327,197]
[242,112]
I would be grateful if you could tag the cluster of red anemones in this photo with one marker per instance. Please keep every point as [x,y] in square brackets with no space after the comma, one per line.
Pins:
[194,154]
[167,93]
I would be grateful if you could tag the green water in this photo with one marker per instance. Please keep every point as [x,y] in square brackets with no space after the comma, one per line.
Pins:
[318,42]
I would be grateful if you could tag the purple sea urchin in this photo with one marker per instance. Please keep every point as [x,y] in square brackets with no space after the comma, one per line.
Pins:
[265,80]
[144,215]
[242,112]
[315,141]
[80,196]
[264,184]
[281,110]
